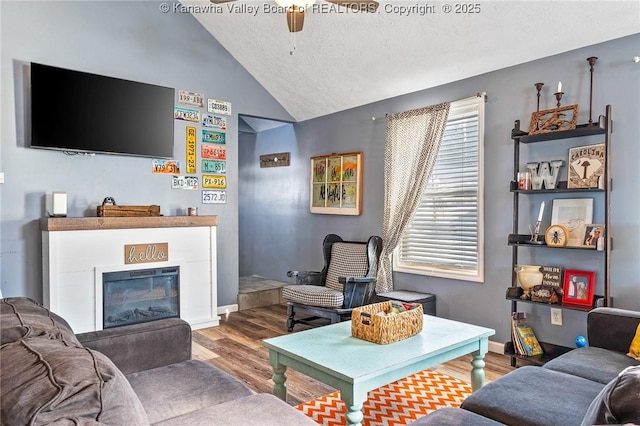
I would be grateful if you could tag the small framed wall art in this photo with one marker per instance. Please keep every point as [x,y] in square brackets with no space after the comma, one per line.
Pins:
[336,184]
[586,166]
[578,287]
[573,214]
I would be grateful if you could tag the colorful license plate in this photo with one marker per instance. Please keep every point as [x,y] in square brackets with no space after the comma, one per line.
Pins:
[191,149]
[214,166]
[219,107]
[210,136]
[190,98]
[165,166]
[213,152]
[214,121]
[186,114]
[214,181]
[214,196]
[184,182]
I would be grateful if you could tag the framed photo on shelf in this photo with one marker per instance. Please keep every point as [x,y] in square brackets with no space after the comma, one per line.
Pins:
[591,234]
[574,214]
[578,287]
[586,166]
[336,184]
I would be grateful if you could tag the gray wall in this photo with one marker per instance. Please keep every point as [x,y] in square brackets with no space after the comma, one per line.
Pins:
[131,40]
[284,235]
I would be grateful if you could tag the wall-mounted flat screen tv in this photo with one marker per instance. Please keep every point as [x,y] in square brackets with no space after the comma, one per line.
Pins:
[81,112]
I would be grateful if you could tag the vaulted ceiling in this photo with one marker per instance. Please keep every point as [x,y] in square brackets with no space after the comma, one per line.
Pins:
[344,59]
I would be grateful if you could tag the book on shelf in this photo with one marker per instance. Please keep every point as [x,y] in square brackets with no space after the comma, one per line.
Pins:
[524,339]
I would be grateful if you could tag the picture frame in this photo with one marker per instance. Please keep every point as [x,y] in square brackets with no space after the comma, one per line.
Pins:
[586,165]
[592,232]
[574,214]
[335,184]
[578,287]
[553,120]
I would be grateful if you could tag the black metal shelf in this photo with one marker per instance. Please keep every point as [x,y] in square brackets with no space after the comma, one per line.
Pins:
[513,187]
[555,305]
[550,350]
[522,240]
[579,131]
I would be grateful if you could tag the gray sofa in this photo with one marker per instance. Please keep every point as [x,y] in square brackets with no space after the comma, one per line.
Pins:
[132,375]
[594,385]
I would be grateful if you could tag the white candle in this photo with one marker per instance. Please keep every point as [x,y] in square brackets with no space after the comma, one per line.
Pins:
[559,87]
[541,211]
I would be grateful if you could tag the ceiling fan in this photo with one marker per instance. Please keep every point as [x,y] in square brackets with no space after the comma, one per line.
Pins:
[296,8]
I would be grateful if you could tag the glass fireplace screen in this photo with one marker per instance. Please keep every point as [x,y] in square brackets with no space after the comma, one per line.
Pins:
[131,297]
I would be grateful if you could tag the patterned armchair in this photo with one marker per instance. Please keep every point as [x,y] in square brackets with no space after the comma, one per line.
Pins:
[348,280]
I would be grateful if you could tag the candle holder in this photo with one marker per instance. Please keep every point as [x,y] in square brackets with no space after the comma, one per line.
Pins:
[592,61]
[558,98]
[536,233]
[539,89]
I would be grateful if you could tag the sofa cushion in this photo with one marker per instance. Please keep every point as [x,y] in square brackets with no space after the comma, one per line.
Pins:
[177,389]
[249,410]
[534,396]
[449,416]
[46,381]
[22,317]
[618,402]
[634,348]
[607,364]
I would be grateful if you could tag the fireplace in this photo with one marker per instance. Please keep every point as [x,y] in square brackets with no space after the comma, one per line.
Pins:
[141,295]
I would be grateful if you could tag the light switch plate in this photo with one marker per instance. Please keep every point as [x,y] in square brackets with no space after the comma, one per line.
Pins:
[556,316]
[1,177]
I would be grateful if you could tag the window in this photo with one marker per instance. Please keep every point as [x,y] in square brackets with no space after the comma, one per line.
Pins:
[445,235]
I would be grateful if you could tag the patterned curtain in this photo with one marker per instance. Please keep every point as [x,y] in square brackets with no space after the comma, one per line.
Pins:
[411,147]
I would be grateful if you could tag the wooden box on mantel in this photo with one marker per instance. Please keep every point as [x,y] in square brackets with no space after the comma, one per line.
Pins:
[128,211]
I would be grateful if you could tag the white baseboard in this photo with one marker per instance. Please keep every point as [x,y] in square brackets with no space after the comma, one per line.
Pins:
[227,309]
[496,347]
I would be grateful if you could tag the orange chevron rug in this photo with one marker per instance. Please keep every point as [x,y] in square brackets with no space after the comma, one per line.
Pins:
[395,404]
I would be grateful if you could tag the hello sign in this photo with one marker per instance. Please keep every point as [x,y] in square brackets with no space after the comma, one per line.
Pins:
[146,253]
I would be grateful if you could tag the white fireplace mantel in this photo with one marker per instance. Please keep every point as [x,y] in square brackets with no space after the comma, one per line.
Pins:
[76,251]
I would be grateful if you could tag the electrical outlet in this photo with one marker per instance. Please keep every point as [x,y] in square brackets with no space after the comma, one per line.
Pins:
[556,316]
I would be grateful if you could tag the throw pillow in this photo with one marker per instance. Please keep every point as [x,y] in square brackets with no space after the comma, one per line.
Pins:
[44,381]
[22,317]
[617,402]
[634,348]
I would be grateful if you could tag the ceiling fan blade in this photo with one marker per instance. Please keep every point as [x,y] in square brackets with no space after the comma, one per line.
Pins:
[295,18]
[360,5]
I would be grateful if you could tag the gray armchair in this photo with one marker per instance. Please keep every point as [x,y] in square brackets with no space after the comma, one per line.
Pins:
[347,281]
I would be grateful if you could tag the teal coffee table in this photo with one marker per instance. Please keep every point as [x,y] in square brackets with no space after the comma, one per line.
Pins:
[354,366]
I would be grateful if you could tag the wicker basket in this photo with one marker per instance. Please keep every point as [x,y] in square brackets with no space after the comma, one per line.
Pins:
[366,325]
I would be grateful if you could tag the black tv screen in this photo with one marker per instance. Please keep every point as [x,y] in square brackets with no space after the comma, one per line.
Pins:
[81,112]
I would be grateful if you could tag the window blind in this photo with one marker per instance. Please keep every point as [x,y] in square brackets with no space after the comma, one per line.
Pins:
[444,233]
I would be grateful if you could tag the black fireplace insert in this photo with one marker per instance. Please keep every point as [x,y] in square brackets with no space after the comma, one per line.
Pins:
[136,296]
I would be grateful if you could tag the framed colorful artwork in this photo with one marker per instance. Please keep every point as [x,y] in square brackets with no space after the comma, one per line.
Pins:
[336,184]
[586,166]
[578,287]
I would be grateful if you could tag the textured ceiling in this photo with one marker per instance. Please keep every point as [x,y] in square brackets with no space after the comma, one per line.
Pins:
[344,59]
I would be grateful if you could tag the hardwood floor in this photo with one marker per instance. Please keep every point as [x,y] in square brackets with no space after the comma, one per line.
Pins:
[235,346]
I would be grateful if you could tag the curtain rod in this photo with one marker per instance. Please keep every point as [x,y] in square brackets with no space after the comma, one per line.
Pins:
[478,95]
